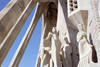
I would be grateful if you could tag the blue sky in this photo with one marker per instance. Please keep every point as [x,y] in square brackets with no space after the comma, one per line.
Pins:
[30,55]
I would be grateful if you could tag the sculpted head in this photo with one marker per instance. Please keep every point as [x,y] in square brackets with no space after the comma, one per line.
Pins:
[80,27]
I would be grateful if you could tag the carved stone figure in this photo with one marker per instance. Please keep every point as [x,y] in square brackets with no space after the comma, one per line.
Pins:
[55,48]
[66,51]
[85,51]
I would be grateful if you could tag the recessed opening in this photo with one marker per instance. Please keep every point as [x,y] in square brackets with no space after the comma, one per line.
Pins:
[76,6]
[71,5]
[71,9]
[71,1]
[94,55]
[75,2]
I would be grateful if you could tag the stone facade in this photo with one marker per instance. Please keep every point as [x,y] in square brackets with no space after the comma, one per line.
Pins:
[70,31]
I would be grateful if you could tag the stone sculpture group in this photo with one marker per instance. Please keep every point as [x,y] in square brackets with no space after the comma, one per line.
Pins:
[60,54]
[70,32]
[55,54]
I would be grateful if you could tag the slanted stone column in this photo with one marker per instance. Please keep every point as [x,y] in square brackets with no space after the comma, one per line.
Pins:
[13,33]
[10,14]
[21,49]
[64,30]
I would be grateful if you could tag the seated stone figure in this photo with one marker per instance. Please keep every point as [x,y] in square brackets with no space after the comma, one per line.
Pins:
[66,51]
[85,50]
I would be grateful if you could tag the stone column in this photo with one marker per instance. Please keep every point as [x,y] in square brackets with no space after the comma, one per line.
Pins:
[9,15]
[13,33]
[21,49]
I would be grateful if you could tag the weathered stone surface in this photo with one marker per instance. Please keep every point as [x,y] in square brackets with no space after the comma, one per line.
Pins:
[21,49]
[61,43]
[78,13]
[13,33]
[9,15]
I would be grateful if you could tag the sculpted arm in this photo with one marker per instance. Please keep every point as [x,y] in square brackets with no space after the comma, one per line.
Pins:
[80,36]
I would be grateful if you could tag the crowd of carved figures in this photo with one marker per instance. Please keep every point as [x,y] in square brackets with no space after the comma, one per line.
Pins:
[55,54]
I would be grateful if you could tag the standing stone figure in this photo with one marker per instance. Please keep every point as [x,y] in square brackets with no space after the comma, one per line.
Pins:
[85,51]
[55,48]
[66,51]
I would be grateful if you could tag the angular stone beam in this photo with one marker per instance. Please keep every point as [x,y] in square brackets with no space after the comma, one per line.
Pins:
[62,24]
[21,49]
[11,36]
[38,61]
[62,17]
[9,15]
